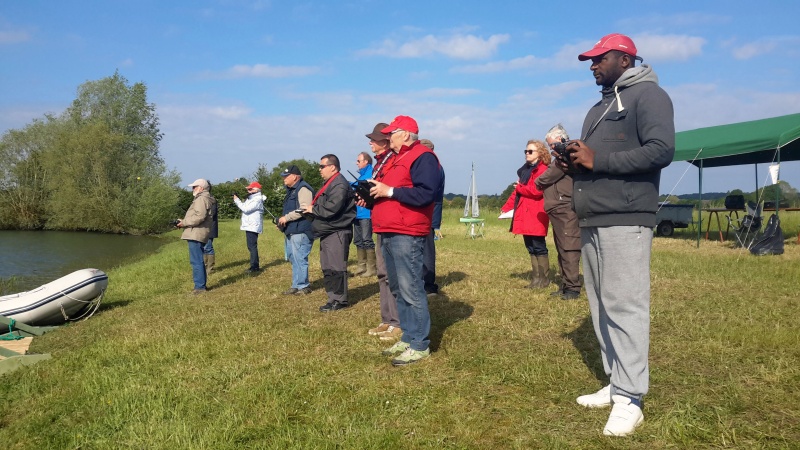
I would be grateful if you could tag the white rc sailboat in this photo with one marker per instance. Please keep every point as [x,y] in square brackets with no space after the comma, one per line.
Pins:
[472,210]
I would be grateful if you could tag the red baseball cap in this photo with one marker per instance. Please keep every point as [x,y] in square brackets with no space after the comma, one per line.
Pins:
[613,41]
[402,123]
[254,185]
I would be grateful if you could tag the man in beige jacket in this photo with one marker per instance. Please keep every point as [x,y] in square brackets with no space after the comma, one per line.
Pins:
[196,226]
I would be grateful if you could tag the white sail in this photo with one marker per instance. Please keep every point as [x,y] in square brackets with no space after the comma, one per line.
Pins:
[471,205]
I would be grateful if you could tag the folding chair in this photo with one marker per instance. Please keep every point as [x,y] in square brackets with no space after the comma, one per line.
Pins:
[746,229]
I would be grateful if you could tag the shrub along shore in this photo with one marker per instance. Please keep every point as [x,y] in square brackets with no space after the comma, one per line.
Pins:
[244,367]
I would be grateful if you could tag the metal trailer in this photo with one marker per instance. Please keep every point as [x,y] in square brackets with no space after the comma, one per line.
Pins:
[670,217]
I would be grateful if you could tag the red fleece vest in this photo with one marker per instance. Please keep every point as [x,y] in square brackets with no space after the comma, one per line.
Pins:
[391,216]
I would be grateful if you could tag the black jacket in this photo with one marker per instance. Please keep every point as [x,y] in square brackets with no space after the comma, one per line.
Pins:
[334,208]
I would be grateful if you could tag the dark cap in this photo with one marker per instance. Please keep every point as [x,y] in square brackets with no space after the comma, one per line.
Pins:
[291,170]
[376,134]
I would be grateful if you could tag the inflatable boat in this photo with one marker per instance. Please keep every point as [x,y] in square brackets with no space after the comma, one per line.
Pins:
[58,301]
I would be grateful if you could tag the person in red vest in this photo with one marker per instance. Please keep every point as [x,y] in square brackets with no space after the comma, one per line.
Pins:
[404,192]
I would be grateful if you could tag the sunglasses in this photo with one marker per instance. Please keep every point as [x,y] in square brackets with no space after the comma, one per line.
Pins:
[528,152]
[322,166]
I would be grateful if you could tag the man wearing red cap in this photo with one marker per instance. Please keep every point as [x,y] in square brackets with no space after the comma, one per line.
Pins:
[405,191]
[627,138]
[252,221]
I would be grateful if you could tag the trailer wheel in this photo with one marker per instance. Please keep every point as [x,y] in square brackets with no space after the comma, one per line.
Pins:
[665,228]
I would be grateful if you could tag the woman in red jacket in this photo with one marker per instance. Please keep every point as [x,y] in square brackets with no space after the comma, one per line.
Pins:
[529,218]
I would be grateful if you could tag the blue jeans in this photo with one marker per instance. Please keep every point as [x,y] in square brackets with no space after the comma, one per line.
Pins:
[252,247]
[535,245]
[198,267]
[403,257]
[298,246]
[362,233]
[208,248]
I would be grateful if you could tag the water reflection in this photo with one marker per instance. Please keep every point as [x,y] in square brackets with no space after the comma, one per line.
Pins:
[34,258]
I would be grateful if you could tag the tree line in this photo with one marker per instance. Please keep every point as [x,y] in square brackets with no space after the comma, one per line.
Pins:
[96,166]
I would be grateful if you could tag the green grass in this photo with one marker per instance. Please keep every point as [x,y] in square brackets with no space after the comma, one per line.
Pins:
[244,367]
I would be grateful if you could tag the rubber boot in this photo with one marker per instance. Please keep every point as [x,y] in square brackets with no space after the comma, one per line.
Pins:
[543,263]
[535,281]
[372,269]
[362,261]
[209,261]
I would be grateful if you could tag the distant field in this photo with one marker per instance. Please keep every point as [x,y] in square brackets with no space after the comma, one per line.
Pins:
[244,367]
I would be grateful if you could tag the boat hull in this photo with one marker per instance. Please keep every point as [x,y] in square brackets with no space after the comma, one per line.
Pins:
[50,303]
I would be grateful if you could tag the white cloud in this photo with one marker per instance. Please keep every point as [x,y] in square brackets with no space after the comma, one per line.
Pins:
[457,46]
[264,71]
[668,47]
[772,44]
[652,47]
[525,62]
[13,36]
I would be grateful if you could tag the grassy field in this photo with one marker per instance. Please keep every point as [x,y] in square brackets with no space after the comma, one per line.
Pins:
[244,367]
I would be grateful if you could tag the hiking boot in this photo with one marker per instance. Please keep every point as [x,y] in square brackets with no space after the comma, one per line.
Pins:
[557,293]
[410,356]
[570,295]
[599,399]
[335,306]
[391,334]
[625,416]
[378,330]
[398,348]
[198,291]
[304,291]
[290,291]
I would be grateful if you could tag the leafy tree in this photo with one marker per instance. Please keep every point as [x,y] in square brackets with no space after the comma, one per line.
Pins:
[23,176]
[94,167]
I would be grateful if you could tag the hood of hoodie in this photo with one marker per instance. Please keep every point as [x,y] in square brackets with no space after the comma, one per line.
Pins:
[636,75]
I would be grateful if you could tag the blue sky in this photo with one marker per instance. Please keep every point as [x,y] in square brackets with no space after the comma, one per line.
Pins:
[238,83]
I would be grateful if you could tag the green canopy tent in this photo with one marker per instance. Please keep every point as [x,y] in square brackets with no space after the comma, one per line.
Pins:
[755,142]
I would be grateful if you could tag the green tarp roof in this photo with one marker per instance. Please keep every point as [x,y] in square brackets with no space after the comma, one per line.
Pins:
[752,142]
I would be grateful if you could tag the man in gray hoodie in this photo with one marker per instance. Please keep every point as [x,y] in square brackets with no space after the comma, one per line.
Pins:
[627,138]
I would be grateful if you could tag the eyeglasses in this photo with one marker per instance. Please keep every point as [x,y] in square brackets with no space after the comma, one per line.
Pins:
[528,152]
[322,166]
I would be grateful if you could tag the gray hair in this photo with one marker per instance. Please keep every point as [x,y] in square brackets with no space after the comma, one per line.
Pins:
[558,133]
[413,136]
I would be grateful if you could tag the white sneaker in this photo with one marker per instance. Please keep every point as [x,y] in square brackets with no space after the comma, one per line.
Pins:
[599,399]
[624,417]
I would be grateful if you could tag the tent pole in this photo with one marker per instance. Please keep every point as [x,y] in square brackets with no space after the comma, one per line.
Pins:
[778,186]
[700,204]
[756,191]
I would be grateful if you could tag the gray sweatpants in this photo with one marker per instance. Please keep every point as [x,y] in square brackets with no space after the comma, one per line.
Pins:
[616,271]
[333,253]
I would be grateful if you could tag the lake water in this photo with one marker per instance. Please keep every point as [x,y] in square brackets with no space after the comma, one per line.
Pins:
[34,258]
